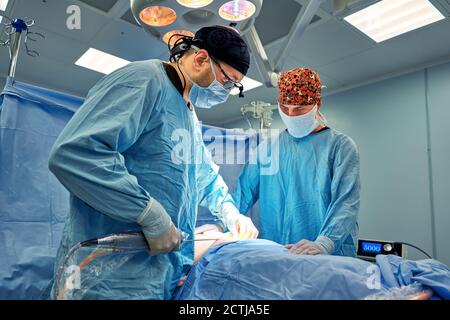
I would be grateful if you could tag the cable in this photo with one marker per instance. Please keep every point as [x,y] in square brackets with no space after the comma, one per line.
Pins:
[182,74]
[60,293]
[248,120]
[177,51]
[181,46]
[417,248]
[129,242]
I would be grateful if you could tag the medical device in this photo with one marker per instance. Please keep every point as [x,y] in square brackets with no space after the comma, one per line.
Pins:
[369,249]
[161,17]
[125,242]
[16,30]
[130,242]
[261,110]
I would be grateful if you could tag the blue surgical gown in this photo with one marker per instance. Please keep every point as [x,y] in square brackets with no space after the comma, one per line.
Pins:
[314,192]
[134,138]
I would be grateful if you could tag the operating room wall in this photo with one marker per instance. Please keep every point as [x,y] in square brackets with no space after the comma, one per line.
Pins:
[439,110]
[401,128]
[2,82]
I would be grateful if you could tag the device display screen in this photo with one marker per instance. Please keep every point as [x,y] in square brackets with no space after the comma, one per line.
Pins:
[371,247]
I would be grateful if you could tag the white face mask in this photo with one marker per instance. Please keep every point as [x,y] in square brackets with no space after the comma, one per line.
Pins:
[300,126]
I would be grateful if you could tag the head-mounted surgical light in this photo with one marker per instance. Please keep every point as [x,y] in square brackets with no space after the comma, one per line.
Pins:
[174,35]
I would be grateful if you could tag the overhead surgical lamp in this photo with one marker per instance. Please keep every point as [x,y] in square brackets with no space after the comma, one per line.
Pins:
[171,16]
[237,10]
[157,16]
[195,3]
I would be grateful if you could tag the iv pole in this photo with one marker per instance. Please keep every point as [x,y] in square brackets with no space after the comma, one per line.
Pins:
[262,111]
[16,30]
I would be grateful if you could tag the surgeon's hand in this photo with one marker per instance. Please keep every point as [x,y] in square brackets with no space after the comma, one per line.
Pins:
[241,227]
[167,242]
[161,234]
[304,247]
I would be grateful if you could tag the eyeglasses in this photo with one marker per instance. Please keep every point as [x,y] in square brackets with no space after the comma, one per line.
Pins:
[230,83]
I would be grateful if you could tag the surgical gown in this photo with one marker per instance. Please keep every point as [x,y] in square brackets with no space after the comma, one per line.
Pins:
[134,138]
[314,192]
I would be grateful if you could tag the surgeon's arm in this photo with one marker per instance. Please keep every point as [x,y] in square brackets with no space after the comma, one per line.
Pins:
[87,157]
[342,212]
[247,188]
[213,191]
[214,195]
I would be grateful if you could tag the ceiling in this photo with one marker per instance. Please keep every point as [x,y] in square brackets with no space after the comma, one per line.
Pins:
[343,56]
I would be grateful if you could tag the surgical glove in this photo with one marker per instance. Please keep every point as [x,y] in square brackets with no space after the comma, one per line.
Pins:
[168,242]
[161,234]
[326,244]
[304,247]
[240,226]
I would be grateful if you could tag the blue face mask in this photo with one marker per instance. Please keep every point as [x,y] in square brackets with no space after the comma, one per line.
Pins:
[210,96]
